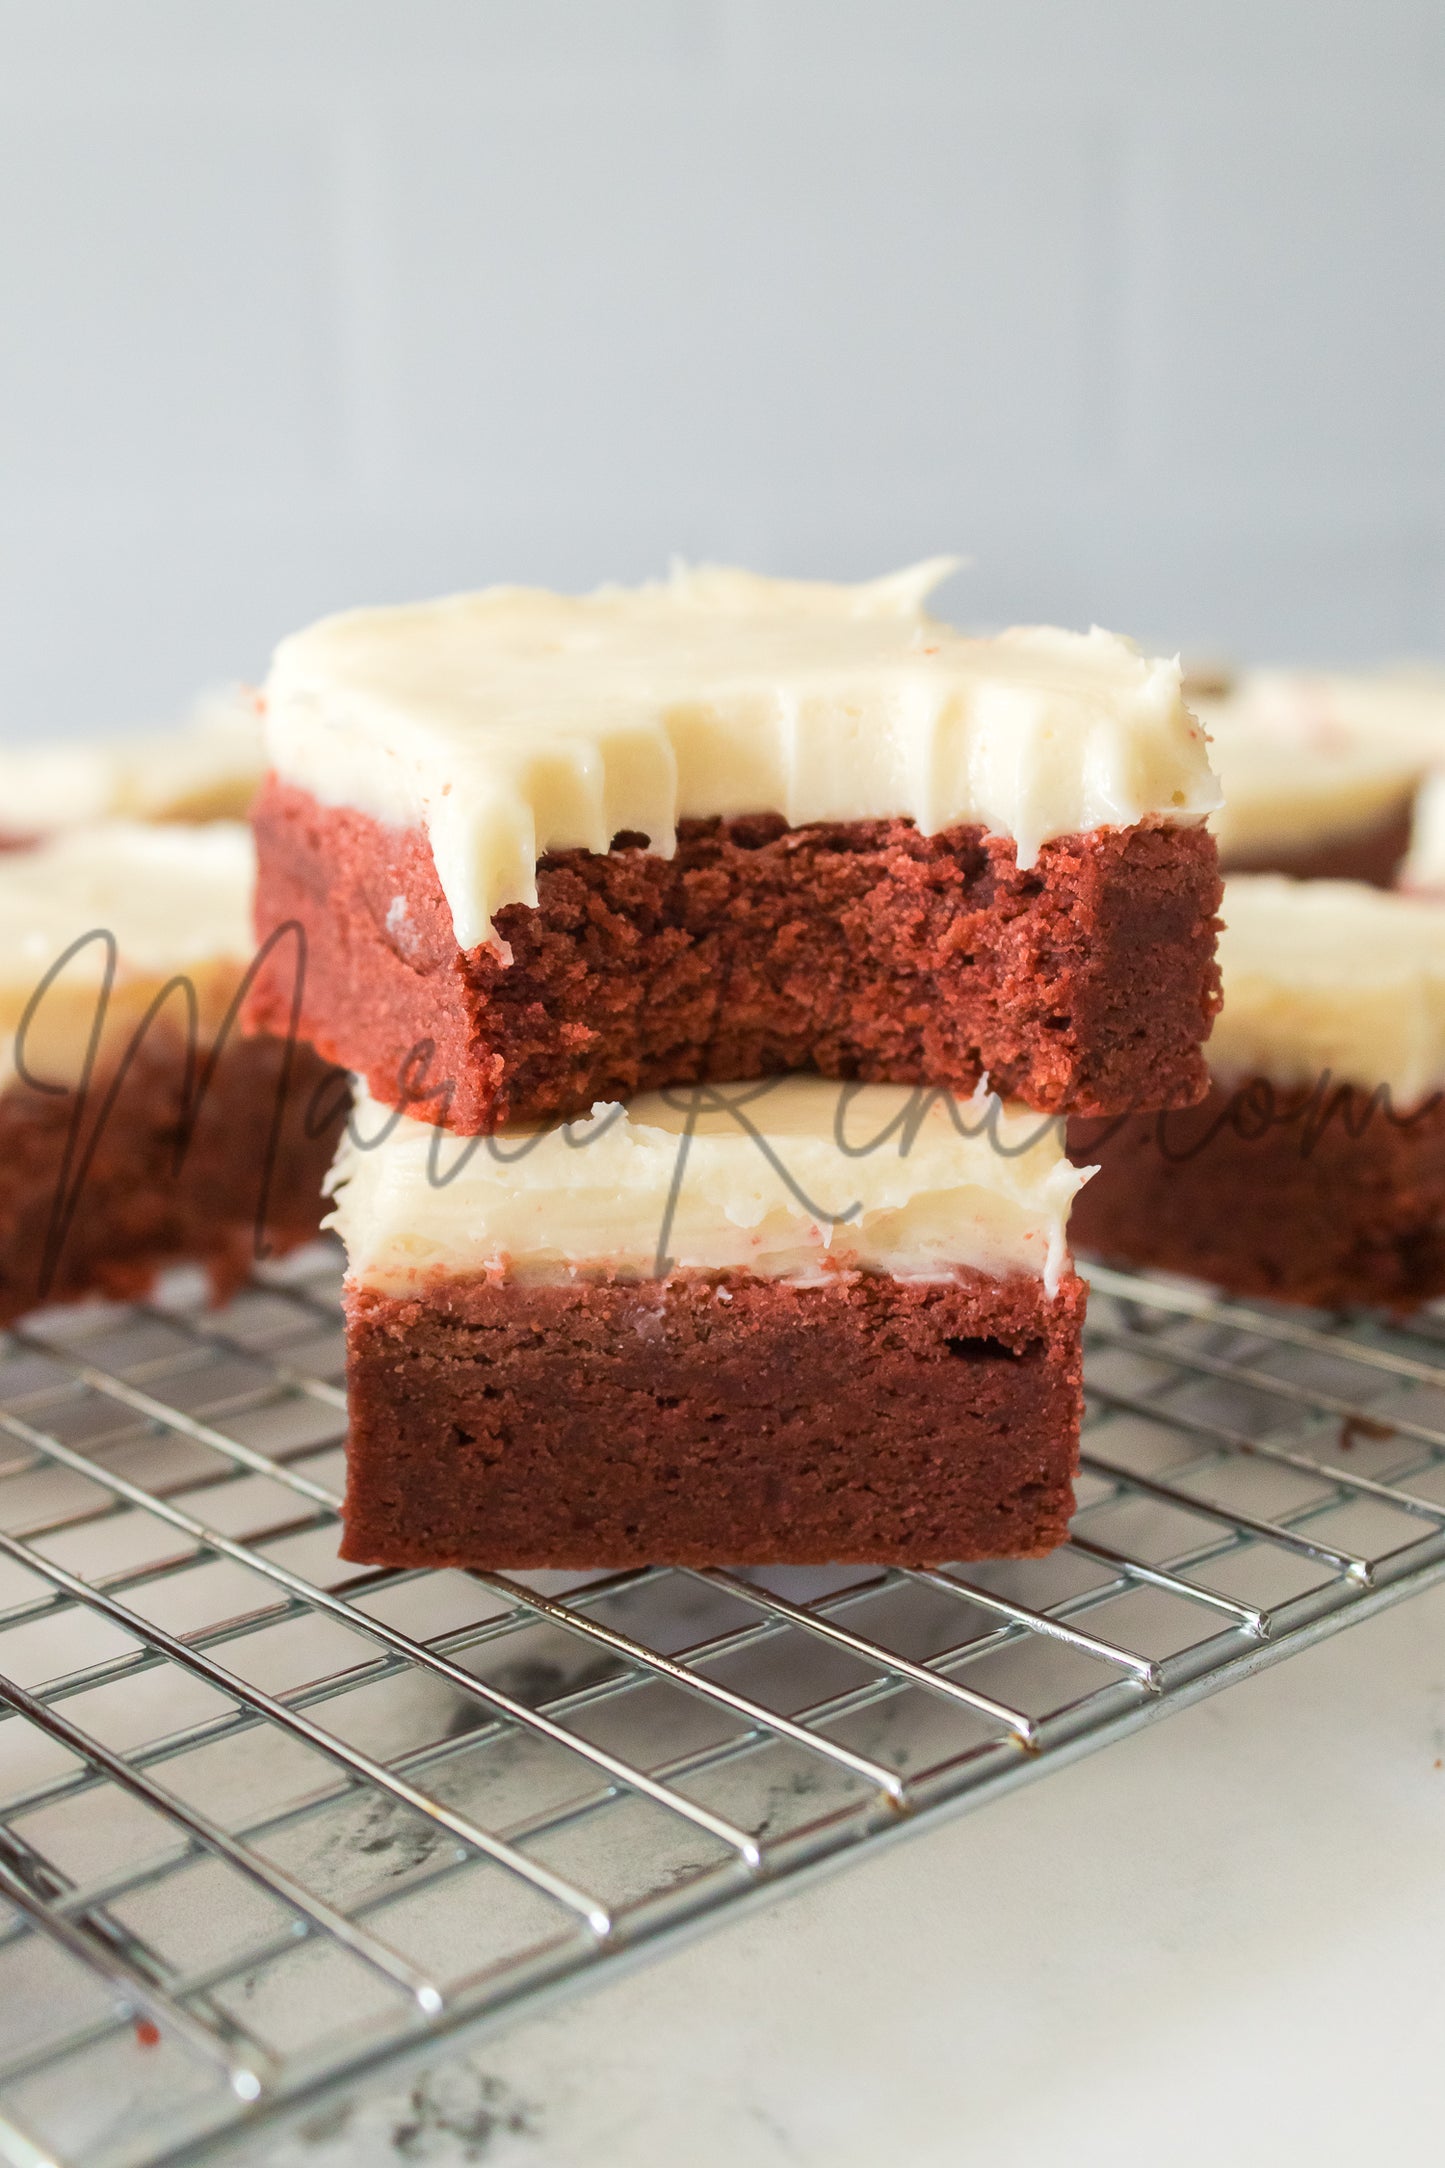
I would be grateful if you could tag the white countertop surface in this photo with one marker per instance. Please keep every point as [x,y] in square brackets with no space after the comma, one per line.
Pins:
[1222,1940]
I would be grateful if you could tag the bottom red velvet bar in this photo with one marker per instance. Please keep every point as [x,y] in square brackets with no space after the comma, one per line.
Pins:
[789,1322]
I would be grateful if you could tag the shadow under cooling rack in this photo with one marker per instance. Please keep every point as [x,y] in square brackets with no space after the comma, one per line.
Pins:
[270,1824]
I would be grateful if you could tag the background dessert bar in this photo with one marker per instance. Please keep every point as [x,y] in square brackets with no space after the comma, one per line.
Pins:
[138,1127]
[1315,1170]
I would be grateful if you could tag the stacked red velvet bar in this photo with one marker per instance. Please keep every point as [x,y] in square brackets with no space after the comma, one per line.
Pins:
[552,854]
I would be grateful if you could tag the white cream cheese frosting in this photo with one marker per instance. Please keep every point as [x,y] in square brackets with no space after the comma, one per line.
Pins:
[1424,867]
[1331,976]
[176,898]
[1293,790]
[791,1179]
[514,721]
[208,771]
[1307,757]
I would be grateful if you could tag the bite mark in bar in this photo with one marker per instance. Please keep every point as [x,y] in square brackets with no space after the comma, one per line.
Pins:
[728,827]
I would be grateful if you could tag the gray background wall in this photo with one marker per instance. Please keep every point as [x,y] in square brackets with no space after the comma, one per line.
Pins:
[307,302]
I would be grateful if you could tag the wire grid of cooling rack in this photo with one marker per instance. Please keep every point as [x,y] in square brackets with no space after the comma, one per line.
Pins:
[269,1824]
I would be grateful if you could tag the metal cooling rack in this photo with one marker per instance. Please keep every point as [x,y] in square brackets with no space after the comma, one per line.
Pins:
[270,1824]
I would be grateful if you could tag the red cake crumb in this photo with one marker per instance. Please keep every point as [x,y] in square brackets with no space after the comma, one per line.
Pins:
[860,949]
[706,1420]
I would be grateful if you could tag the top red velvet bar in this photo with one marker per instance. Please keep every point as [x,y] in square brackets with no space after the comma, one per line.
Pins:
[540,851]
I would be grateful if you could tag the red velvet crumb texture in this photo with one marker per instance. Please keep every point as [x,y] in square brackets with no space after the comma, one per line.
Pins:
[704,1421]
[862,949]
